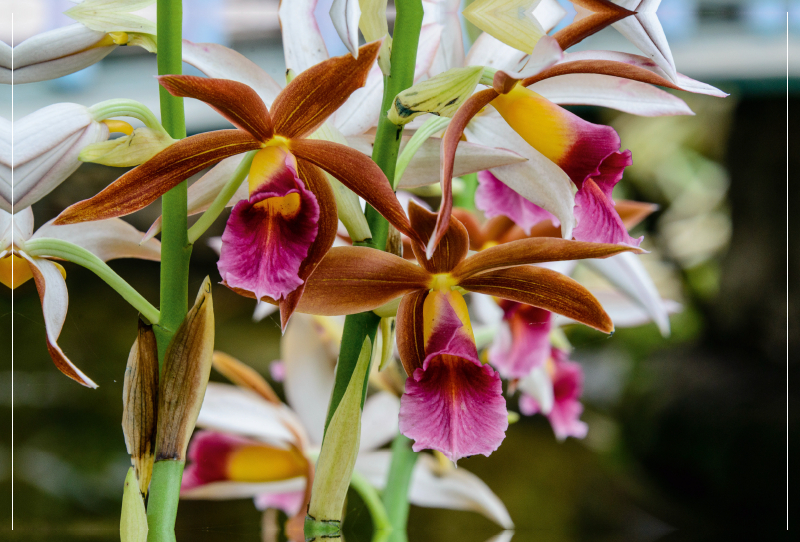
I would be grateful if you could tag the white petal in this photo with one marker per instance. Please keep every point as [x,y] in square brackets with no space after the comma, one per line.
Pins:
[430,37]
[5,164]
[379,420]
[241,490]
[493,53]
[626,272]
[57,52]
[539,386]
[424,167]
[686,83]
[345,15]
[23,226]
[222,63]
[361,110]
[485,309]
[262,310]
[625,95]
[232,409]
[645,32]
[303,45]
[55,300]
[450,53]
[623,311]
[538,179]
[107,239]
[309,379]
[433,487]
[5,55]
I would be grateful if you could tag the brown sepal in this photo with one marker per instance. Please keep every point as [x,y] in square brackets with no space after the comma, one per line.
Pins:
[410,331]
[316,93]
[235,101]
[450,251]
[604,13]
[243,376]
[602,67]
[502,83]
[545,289]
[142,185]
[535,250]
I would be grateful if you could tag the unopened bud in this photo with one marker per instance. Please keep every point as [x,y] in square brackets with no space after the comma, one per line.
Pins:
[440,95]
[187,365]
[133,520]
[128,151]
[387,328]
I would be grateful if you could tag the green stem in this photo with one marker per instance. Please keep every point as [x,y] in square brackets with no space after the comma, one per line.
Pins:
[465,198]
[395,496]
[125,108]
[222,199]
[162,505]
[175,254]
[58,248]
[365,490]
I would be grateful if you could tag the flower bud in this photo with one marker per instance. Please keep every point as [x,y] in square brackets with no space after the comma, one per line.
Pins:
[338,455]
[140,404]
[129,150]
[187,365]
[133,520]
[440,95]
[514,22]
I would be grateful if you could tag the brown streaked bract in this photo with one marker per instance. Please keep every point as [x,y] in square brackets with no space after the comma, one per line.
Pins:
[140,404]
[247,112]
[142,185]
[328,223]
[359,173]
[187,365]
[535,250]
[545,289]
[320,90]
[243,376]
[604,13]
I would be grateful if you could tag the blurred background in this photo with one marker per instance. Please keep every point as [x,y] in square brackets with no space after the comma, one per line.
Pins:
[687,434]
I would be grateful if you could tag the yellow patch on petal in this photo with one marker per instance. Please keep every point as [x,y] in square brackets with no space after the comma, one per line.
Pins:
[287,206]
[537,120]
[20,274]
[442,282]
[262,463]
[118,126]
[432,311]
[267,163]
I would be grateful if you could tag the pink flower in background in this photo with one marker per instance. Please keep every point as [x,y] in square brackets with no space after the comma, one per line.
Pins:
[522,342]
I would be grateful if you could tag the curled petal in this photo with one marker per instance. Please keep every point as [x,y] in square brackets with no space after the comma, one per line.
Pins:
[235,101]
[594,16]
[410,331]
[545,289]
[452,136]
[358,173]
[53,294]
[532,251]
[108,240]
[345,15]
[452,248]
[302,41]
[317,92]
[144,184]
[268,237]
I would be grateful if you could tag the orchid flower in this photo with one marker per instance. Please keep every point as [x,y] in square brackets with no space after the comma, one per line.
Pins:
[48,145]
[561,148]
[102,26]
[434,334]
[25,255]
[254,446]
[5,164]
[275,239]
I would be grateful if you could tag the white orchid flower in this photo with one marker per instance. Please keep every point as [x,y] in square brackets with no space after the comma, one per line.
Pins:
[26,255]
[257,447]
[5,164]
[102,26]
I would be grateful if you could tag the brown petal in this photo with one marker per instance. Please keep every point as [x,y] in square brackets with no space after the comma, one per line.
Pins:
[602,67]
[633,212]
[357,172]
[350,280]
[502,83]
[604,14]
[545,289]
[410,334]
[142,185]
[535,250]
[235,101]
[453,247]
[317,92]
[243,376]
[140,404]
[450,140]
[476,237]
[328,224]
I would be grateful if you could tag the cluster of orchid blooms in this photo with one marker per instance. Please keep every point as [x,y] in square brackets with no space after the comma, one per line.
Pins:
[294,170]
